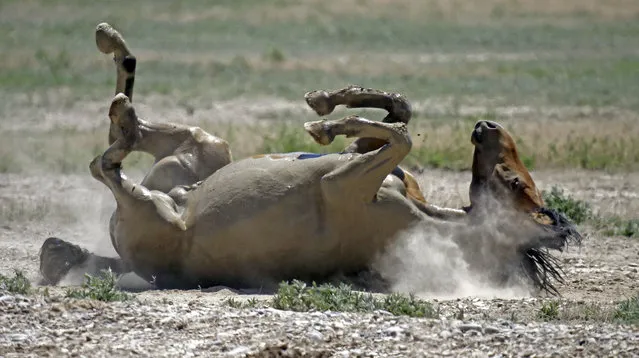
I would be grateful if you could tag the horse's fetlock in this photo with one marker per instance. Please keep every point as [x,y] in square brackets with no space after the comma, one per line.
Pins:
[129,63]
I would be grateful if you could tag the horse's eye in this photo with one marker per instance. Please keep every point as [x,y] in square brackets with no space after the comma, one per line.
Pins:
[515,184]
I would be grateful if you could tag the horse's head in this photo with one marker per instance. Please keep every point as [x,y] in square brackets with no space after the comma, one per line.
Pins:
[500,177]
[498,170]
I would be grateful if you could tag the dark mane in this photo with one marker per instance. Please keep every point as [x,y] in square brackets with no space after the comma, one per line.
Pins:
[540,265]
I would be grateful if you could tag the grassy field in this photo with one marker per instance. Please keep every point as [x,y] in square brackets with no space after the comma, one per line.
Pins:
[562,76]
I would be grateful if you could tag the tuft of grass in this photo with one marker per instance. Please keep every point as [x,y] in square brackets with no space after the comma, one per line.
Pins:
[297,296]
[235,303]
[275,55]
[576,210]
[628,311]
[616,226]
[549,311]
[444,146]
[26,210]
[18,283]
[580,211]
[585,311]
[290,138]
[101,288]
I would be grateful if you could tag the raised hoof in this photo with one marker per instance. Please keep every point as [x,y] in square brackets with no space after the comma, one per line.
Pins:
[107,38]
[94,167]
[58,257]
[320,131]
[119,104]
[320,102]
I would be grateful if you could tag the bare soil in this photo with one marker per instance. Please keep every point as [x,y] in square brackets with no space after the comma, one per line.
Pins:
[180,323]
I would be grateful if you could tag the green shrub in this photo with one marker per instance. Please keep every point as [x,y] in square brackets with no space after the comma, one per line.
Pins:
[297,296]
[18,283]
[616,226]
[549,311]
[101,288]
[576,210]
[628,311]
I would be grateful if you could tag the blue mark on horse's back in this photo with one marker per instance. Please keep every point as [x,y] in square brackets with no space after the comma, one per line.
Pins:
[310,155]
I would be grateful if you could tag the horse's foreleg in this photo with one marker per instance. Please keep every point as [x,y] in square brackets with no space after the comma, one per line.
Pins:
[364,173]
[397,106]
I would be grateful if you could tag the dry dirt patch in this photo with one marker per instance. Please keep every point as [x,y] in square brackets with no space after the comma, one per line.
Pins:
[601,263]
[181,323]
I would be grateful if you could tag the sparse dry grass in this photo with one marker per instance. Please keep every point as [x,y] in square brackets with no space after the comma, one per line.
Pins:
[623,311]
[542,143]
[257,13]
[440,143]
[27,209]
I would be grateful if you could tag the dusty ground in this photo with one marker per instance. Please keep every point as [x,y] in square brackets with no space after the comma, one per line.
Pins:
[179,323]
[571,64]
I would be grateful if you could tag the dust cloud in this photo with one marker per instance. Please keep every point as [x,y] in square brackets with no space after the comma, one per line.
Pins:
[432,265]
[481,260]
[92,205]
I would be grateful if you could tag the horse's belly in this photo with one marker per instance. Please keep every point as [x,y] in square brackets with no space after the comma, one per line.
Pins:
[268,246]
[256,223]
[264,235]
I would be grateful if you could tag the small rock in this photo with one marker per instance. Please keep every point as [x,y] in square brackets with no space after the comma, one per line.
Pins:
[383,313]
[7,298]
[445,334]
[17,337]
[394,331]
[241,350]
[505,322]
[315,335]
[469,327]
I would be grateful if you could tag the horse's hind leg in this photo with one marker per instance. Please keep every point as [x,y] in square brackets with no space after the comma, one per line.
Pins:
[110,41]
[397,106]
[362,175]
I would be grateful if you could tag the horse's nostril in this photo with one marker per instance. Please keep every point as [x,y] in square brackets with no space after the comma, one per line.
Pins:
[490,124]
[478,124]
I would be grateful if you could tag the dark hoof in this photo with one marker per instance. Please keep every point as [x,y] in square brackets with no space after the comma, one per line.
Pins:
[57,257]
[320,102]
